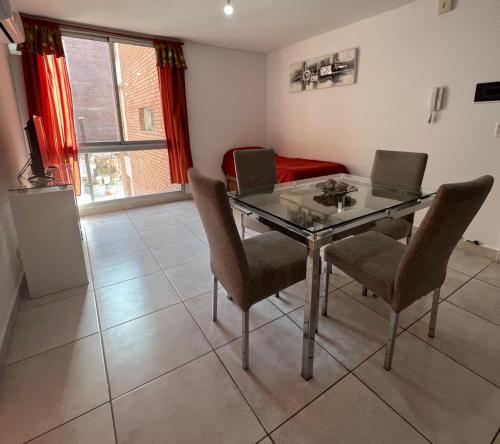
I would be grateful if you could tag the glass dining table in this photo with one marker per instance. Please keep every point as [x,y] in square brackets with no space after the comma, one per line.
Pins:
[313,212]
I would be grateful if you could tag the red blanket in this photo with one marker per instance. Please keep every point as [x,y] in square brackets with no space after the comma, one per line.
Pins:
[289,168]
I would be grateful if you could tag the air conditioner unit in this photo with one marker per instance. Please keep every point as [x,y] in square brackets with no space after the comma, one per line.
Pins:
[11,26]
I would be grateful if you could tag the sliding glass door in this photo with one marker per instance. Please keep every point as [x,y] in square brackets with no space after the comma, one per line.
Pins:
[118,118]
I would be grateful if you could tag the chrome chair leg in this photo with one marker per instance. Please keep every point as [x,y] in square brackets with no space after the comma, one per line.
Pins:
[408,238]
[245,340]
[328,269]
[277,294]
[391,339]
[214,300]
[364,291]
[242,226]
[434,312]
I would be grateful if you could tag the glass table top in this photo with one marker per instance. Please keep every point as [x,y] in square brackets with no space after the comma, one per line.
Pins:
[322,203]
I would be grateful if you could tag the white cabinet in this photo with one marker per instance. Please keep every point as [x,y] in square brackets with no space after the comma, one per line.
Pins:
[49,238]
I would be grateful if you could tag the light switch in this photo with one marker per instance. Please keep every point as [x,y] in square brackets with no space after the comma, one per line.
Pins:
[497,130]
[445,6]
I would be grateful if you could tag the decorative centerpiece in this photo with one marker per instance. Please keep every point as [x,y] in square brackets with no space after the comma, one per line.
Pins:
[335,193]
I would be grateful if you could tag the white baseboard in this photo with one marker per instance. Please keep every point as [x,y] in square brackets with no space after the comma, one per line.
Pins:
[125,204]
[14,310]
[480,250]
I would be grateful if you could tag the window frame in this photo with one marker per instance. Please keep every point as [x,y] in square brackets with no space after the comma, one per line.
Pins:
[122,144]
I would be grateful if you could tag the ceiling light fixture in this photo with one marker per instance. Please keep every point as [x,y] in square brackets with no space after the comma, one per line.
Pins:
[228,9]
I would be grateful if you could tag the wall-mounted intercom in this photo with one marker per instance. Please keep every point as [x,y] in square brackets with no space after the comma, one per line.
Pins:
[436,102]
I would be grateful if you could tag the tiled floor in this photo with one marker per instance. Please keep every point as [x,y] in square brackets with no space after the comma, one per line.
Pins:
[134,357]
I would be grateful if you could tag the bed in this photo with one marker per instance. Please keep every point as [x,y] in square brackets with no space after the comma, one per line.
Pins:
[288,169]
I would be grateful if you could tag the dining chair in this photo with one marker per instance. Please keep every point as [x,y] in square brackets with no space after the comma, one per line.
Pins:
[255,170]
[399,169]
[251,269]
[402,275]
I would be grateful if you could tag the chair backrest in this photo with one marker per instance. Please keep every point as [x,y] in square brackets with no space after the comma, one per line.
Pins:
[399,168]
[255,169]
[423,265]
[227,255]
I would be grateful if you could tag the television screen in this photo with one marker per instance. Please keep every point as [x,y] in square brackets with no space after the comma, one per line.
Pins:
[37,143]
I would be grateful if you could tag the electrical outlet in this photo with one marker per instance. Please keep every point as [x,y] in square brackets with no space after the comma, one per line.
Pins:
[445,6]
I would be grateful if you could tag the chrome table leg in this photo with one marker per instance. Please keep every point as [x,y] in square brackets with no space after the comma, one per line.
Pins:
[311,308]
[245,340]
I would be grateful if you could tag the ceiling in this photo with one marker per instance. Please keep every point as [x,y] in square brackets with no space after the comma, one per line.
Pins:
[256,25]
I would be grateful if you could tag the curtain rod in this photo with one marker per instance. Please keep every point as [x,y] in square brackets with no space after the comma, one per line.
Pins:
[101,29]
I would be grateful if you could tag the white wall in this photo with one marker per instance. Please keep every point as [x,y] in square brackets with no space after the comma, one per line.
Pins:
[226,95]
[12,155]
[403,53]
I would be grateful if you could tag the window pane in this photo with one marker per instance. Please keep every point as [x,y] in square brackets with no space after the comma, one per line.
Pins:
[91,79]
[140,101]
[115,175]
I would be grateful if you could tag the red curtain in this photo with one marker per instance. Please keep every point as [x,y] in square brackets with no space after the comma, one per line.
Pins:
[171,66]
[48,93]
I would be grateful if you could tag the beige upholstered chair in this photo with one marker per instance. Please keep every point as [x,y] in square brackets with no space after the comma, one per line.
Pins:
[255,169]
[251,269]
[401,275]
[401,169]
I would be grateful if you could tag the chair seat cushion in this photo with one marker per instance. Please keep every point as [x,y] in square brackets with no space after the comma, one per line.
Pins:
[370,258]
[395,228]
[275,262]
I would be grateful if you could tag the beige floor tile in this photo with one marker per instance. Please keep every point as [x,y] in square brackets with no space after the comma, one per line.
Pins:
[273,384]
[101,251]
[266,440]
[51,325]
[407,317]
[104,218]
[155,221]
[193,223]
[468,339]
[191,279]
[443,400]
[338,278]
[182,252]
[454,280]
[195,403]
[497,440]
[134,298]
[229,323]
[159,237]
[351,332]
[110,232]
[145,348]
[83,289]
[182,209]
[142,212]
[466,262]
[347,413]
[293,297]
[47,390]
[480,298]
[491,274]
[121,267]
[95,427]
